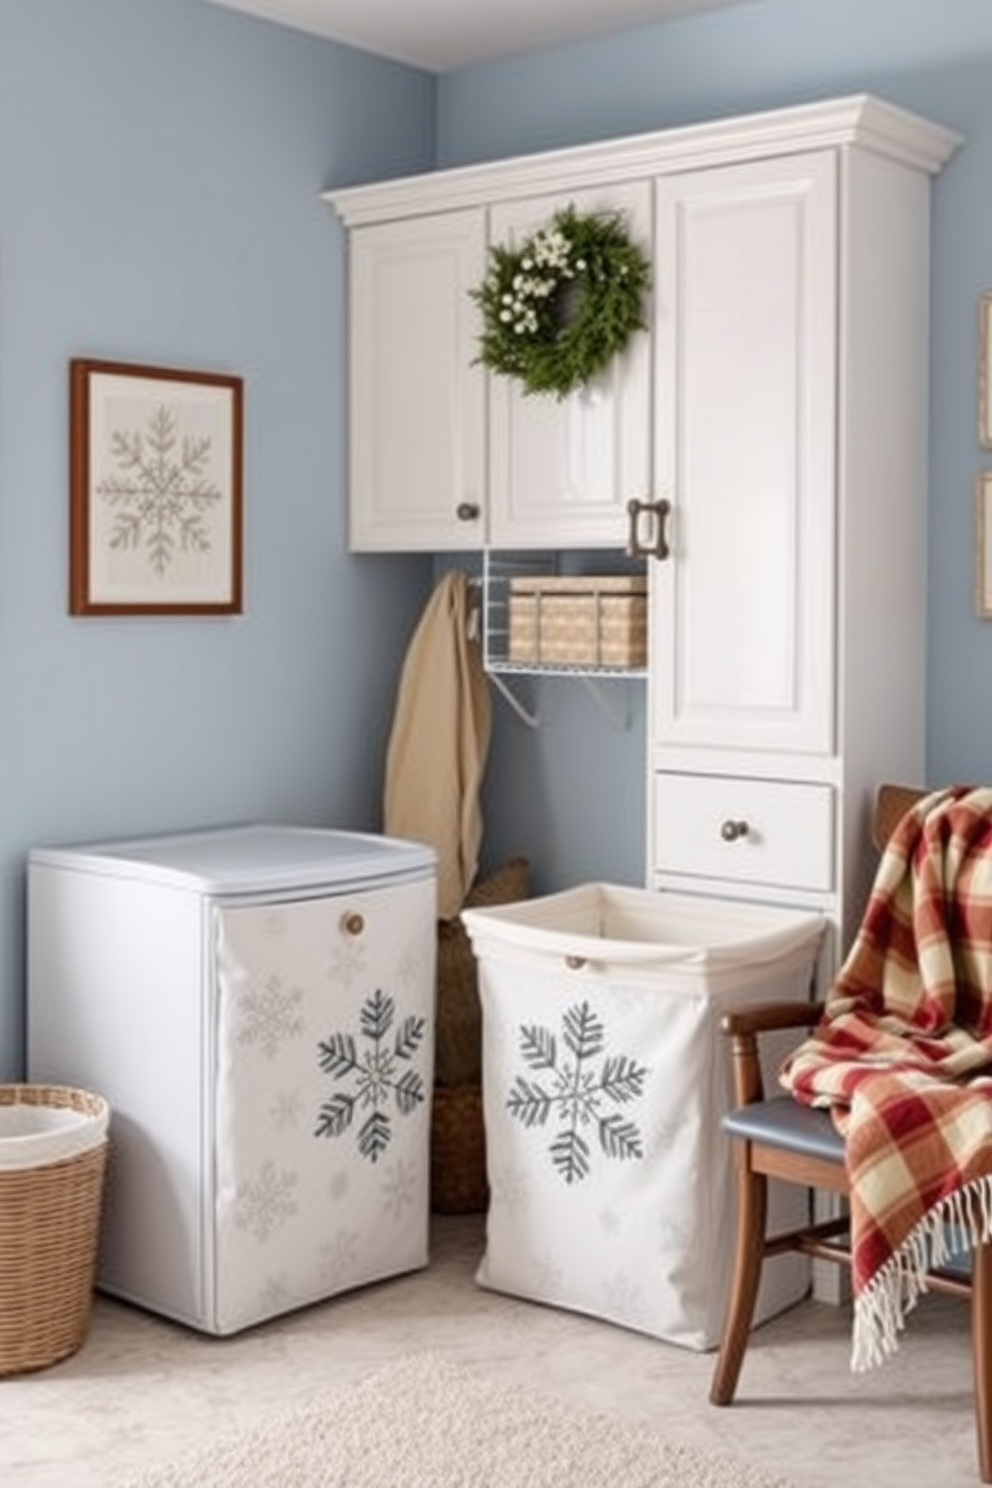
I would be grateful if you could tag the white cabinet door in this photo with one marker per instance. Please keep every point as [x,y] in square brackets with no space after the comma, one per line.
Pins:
[417,460]
[563,470]
[743,643]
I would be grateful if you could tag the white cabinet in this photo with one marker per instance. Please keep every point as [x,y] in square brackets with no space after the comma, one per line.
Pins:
[423,412]
[787,647]
[562,469]
[791,256]
[416,393]
[778,404]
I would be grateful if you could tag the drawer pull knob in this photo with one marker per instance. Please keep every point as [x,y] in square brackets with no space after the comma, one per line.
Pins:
[352,923]
[730,831]
[467,511]
[575,963]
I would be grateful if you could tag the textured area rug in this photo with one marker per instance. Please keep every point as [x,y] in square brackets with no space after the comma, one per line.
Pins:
[424,1423]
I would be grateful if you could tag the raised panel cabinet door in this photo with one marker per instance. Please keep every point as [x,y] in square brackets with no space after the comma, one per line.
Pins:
[743,643]
[417,413]
[563,470]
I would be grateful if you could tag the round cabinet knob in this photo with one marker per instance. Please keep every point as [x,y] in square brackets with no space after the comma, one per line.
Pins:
[467,511]
[352,923]
[575,963]
[730,831]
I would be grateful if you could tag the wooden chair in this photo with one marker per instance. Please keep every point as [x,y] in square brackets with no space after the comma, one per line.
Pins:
[775,1137]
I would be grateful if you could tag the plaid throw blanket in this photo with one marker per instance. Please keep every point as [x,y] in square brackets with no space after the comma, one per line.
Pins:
[903,1058]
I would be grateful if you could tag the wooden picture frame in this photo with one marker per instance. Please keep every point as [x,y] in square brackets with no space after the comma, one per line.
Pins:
[983,545]
[985,370]
[155,490]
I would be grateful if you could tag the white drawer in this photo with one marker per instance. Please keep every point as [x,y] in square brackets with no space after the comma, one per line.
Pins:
[751,831]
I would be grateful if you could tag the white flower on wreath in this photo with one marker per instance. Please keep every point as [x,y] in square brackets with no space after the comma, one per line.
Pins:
[550,251]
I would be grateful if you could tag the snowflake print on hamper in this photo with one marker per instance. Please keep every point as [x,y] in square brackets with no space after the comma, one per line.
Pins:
[269,1015]
[381,1072]
[286,1111]
[401,1188]
[579,1084]
[161,494]
[274,926]
[346,961]
[265,1203]
[546,1268]
[339,1257]
[276,1295]
[510,1185]
[623,1300]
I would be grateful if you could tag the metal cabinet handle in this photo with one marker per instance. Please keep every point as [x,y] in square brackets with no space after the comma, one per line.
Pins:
[575,963]
[352,923]
[658,547]
[731,831]
[467,511]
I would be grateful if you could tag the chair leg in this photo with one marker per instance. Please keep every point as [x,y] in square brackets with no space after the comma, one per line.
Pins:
[749,1248]
[981,1353]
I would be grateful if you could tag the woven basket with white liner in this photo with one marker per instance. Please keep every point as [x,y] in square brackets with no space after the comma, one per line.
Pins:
[53,1147]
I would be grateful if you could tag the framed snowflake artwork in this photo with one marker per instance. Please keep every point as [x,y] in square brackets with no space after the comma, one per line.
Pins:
[155,490]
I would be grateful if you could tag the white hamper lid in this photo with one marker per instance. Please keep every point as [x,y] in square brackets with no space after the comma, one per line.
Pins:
[33,1135]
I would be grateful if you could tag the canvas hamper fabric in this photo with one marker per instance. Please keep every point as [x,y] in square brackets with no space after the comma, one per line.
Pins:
[603,1088]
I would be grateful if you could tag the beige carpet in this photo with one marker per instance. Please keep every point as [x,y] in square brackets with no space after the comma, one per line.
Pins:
[423,1423]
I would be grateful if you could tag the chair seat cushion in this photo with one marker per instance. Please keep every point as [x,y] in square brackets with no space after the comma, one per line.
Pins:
[783,1122]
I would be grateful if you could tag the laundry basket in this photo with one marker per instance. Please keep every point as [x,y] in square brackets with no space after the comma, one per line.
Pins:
[53,1145]
[605,1078]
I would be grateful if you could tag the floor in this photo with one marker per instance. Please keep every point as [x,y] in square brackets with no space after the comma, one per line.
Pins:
[142,1390]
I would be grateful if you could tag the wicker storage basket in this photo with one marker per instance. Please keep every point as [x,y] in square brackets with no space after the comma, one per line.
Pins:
[588,621]
[458,1151]
[459,1015]
[458,1137]
[49,1227]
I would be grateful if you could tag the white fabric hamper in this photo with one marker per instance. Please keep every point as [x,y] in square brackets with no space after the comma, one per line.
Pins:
[605,1075]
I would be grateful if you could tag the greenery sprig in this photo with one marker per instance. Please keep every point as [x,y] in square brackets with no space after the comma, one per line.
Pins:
[559,308]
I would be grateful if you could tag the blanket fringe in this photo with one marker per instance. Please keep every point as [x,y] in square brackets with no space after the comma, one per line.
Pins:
[959,1222]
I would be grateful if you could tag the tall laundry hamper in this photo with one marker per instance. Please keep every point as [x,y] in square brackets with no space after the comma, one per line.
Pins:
[53,1146]
[605,1077]
[256,1002]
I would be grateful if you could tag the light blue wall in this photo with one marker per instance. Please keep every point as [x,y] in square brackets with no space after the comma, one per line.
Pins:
[571,793]
[161,164]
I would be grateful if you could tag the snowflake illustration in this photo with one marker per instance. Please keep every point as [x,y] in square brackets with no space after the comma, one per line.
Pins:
[510,1184]
[401,1189]
[346,963]
[377,1077]
[623,1297]
[583,1080]
[275,1295]
[266,1202]
[339,1256]
[286,1110]
[268,1015]
[161,496]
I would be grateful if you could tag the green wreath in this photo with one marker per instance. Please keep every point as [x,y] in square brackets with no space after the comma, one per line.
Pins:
[559,308]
